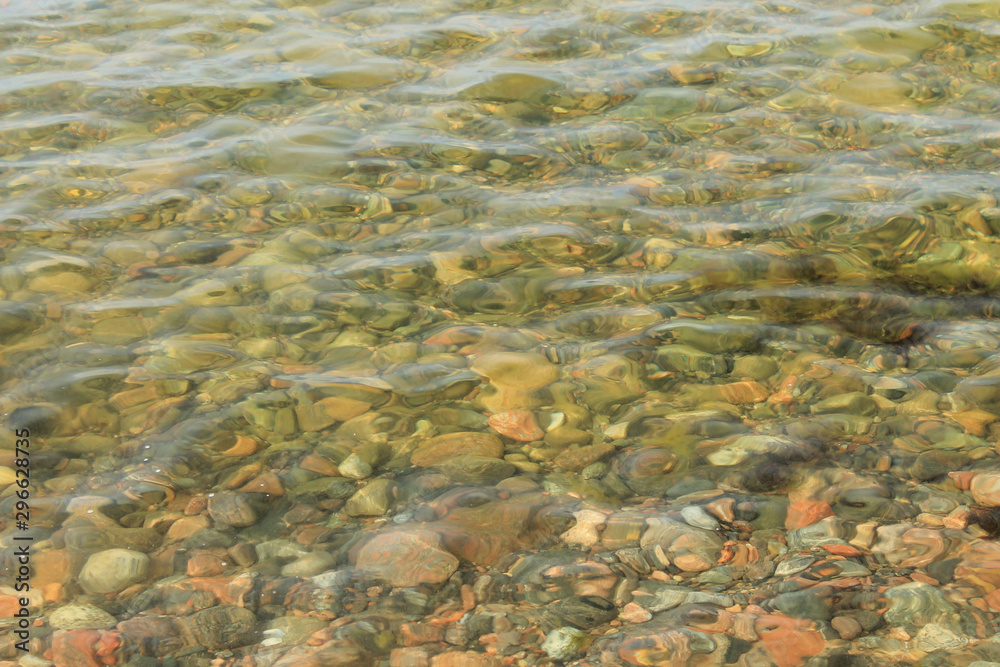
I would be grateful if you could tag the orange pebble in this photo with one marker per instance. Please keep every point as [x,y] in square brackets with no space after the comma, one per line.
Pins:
[845,550]
[517,424]
[802,513]
[962,478]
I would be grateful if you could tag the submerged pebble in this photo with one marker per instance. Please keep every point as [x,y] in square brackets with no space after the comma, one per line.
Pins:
[112,570]
[502,334]
[564,643]
[405,558]
[77,616]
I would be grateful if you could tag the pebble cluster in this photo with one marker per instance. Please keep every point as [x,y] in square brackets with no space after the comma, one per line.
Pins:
[695,493]
[491,333]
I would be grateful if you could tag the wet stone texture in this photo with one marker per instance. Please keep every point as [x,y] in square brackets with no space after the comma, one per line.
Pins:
[500,334]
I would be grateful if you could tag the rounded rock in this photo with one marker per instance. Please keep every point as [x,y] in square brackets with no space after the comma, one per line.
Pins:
[311,564]
[985,489]
[936,637]
[696,516]
[232,509]
[445,447]
[407,558]
[564,643]
[918,604]
[847,627]
[112,570]
[222,627]
[516,370]
[517,425]
[81,616]
[355,467]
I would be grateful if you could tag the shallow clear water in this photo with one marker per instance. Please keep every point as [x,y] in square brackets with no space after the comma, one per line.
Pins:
[482,333]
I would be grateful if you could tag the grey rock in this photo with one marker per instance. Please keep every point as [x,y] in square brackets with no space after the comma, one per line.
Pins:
[811,604]
[934,463]
[917,604]
[935,637]
[232,509]
[279,549]
[222,627]
[81,616]
[564,643]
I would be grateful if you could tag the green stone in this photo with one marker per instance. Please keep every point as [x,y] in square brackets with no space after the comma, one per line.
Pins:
[852,403]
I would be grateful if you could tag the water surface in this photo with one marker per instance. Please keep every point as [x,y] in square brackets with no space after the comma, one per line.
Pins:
[481,333]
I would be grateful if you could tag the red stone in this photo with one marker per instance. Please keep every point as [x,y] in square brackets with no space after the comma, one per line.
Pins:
[518,425]
[417,634]
[75,648]
[106,647]
[789,641]
[845,550]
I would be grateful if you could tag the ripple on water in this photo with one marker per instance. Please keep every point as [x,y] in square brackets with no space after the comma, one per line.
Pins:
[346,333]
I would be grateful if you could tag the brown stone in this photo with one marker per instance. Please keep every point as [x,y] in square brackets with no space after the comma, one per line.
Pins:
[328,411]
[243,554]
[407,558]
[207,562]
[409,657]
[341,408]
[153,634]
[188,526]
[228,590]
[220,628]
[49,567]
[846,627]
[268,483]
[311,418]
[232,509]
[416,634]
[319,464]
[565,435]
[163,561]
[196,505]
[444,447]
[463,659]
[9,605]
[743,392]
[516,370]
[337,653]
[577,459]
[634,613]
[243,446]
